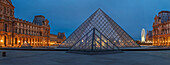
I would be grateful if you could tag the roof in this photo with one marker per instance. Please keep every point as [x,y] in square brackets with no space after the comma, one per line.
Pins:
[53,35]
[9,1]
[39,20]
[40,16]
[164,12]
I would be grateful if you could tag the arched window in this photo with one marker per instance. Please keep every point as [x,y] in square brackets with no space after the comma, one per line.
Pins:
[20,31]
[40,33]
[15,40]
[23,41]
[27,40]
[33,41]
[30,42]
[19,41]
[4,40]
[38,42]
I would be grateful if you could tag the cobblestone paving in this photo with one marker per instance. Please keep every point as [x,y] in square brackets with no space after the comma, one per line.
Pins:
[62,58]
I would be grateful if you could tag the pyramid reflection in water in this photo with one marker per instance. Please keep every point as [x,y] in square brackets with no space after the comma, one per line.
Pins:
[106,26]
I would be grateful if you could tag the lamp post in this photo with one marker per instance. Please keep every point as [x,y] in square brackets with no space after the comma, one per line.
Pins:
[19,43]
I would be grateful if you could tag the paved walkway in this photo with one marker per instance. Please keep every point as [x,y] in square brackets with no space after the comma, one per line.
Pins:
[62,58]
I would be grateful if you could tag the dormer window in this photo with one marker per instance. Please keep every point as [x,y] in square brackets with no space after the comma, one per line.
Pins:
[43,22]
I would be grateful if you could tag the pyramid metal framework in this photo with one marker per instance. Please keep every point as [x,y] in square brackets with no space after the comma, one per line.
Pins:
[104,24]
[94,41]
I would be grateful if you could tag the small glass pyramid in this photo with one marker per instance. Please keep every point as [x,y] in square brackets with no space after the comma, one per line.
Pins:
[104,24]
[26,45]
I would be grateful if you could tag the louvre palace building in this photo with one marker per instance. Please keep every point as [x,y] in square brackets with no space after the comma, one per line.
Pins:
[161,29]
[14,31]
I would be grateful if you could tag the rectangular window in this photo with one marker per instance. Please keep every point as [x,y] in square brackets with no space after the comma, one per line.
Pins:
[15,30]
[23,32]
[20,31]
[5,27]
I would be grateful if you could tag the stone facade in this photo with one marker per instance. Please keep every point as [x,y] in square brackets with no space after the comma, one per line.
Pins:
[53,39]
[149,37]
[161,29]
[56,40]
[14,31]
[61,37]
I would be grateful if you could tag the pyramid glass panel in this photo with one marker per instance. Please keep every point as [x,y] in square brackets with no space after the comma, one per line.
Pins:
[104,24]
[94,42]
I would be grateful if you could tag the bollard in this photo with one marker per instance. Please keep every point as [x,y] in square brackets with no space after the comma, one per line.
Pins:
[3,54]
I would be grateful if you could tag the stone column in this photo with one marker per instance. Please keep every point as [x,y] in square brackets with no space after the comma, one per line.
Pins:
[28,40]
[36,42]
[168,41]
[18,39]
[31,41]
[22,41]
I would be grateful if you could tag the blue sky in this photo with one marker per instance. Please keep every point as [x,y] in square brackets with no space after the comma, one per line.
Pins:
[67,15]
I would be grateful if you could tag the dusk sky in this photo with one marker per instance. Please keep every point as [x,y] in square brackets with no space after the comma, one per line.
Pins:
[67,15]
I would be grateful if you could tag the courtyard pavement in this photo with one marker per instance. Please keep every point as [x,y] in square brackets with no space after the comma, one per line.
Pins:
[62,58]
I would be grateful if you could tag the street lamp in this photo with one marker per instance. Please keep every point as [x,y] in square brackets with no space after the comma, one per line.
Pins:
[19,41]
[1,40]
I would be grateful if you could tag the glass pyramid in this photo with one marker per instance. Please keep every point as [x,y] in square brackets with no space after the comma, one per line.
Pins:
[26,45]
[104,24]
[94,41]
